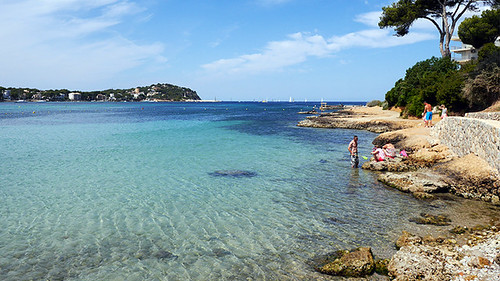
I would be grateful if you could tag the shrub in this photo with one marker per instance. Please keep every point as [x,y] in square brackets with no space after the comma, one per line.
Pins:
[374,103]
[436,80]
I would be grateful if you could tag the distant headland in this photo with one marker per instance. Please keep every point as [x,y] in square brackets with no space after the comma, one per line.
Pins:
[155,92]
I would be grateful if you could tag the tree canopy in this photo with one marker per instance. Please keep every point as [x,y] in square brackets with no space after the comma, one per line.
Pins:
[478,31]
[436,80]
[443,14]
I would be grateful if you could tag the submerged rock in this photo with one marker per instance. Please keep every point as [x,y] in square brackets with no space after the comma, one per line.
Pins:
[355,263]
[333,220]
[440,220]
[381,266]
[220,252]
[162,254]
[233,173]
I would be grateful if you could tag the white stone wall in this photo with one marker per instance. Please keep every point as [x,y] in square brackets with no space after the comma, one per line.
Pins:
[484,115]
[470,135]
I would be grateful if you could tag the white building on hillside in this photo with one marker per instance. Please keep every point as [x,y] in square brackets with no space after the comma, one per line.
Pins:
[464,52]
[75,96]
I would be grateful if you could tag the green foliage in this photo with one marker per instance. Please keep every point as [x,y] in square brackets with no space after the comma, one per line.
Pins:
[444,15]
[374,103]
[385,105]
[482,87]
[478,31]
[436,80]
[157,91]
[483,90]
[488,57]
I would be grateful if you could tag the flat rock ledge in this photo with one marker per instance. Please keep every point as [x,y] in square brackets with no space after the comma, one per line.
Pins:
[473,255]
[418,182]
[376,125]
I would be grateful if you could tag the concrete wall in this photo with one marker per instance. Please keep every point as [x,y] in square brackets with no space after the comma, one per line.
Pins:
[471,135]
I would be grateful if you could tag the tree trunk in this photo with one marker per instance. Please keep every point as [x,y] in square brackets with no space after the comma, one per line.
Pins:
[444,47]
[445,34]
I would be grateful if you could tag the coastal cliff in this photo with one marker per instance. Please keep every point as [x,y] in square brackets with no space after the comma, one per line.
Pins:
[437,162]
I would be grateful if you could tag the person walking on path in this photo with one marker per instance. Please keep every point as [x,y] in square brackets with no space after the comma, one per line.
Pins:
[353,150]
[427,114]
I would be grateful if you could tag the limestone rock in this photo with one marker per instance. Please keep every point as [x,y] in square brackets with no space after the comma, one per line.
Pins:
[356,263]
[421,181]
[421,262]
[398,164]
[407,239]
[471,177]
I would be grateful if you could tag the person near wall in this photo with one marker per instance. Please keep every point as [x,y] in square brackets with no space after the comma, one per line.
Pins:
[444,111]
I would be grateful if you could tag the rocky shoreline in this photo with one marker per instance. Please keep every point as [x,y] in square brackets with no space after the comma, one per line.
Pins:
[430,168]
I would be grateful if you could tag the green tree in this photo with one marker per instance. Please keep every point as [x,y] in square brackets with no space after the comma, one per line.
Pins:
[478,31]
[482,87]
[436,80]
[443,14]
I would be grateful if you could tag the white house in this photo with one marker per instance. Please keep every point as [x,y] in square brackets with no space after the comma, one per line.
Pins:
[464,52]
[6,94]
[75,96]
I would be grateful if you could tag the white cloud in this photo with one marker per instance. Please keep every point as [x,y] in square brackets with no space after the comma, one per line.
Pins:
[299,47]
[53,42]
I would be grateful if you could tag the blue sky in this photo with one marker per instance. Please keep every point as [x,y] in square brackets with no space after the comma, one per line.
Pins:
[224,49]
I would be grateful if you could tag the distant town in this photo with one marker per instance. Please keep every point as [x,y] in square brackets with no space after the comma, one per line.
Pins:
[155,92]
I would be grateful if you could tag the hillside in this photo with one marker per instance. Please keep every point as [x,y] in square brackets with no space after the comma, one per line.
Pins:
[159,92]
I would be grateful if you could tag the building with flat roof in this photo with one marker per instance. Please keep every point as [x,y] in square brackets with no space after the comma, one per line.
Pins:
[74,96]
[464,52]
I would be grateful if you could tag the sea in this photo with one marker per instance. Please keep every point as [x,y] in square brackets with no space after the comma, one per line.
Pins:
[191,191]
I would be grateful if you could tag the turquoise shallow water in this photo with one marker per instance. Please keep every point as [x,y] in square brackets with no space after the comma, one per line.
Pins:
[127,191]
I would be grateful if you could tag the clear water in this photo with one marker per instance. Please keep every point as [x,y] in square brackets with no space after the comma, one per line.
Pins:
[127,191]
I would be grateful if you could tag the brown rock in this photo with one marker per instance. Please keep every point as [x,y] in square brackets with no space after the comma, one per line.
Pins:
[407,239]
[440,220]
[459,229]
[423,195]
[481,262]
[355,263]
[381,266]
[497,259]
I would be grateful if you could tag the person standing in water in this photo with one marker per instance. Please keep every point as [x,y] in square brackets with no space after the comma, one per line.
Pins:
[353,150]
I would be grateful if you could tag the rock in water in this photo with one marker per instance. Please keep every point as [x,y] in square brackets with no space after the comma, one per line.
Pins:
[440,220]
[233,173]
[162,254]
[355,263]
[220,252]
